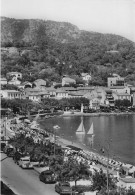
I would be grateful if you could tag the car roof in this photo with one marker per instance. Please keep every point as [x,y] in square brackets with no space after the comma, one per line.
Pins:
[64,183]
[47,171]
[25,158]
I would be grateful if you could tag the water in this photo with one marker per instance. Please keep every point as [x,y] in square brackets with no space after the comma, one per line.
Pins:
[119,131]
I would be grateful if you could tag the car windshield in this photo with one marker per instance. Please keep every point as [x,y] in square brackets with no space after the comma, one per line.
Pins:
[9,149]
[26,160]
[65,184]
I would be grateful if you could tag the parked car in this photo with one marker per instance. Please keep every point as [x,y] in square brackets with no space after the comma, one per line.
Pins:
[3,144]
[9,150]
[63,188]
[25,163]
[47,177]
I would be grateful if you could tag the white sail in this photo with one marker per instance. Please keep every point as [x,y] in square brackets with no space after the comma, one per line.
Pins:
[91,130]
[80,129]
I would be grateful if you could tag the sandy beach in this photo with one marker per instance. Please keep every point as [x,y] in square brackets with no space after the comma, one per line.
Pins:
[97,114]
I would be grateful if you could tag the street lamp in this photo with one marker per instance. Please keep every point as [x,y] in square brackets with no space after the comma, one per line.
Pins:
[55,128]
[108,156]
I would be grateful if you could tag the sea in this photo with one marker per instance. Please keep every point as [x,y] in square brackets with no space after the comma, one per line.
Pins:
[113,135]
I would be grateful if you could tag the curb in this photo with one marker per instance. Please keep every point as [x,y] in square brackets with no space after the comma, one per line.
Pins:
[10,187]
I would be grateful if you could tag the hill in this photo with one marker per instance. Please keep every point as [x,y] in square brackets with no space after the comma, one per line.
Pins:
[48,49]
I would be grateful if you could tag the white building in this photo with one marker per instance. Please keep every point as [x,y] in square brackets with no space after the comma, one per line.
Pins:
[14,81]
[14,74]
[86,77]
[68,81]
[61,94]
[120,89]
[115,80]
[3,81]
[11,94]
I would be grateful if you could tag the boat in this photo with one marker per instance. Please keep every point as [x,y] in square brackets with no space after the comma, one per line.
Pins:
[81,129]
[91,130]
[68,112]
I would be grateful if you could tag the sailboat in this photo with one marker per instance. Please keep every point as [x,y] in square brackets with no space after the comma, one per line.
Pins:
[91,133]
[91,130]
[80,129]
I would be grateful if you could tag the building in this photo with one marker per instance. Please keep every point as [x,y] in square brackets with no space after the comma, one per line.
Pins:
[36,94]
[94,103]
[14,74]
[121,96]
[39,83]
[24,85]
[60,93]
[121,89]
[115,80]
[109,98]
[3,81]
[133,95]
[76,94]
[86,77]
[14,81]
[68,81]
[11,94]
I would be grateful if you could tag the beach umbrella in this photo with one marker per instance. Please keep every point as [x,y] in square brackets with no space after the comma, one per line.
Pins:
[56,127]
[27,121]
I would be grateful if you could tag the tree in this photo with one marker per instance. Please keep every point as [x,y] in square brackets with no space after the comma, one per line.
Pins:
[100,181]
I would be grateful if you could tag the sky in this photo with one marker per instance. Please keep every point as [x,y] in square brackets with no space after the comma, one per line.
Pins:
[104,16]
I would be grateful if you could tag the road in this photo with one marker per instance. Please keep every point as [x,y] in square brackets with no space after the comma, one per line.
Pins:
[23,182]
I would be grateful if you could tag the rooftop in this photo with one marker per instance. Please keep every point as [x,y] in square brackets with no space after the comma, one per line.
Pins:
[14,73]
[40,82]
[67,79]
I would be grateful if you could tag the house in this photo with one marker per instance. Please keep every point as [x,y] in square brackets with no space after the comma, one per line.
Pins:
[133,95]
[121,96]
[60,93]
[36,94]
[3,81]
[39,83]
[11,94]
[34,97]
[85,89]
[68,81]
[14,81]
[115,80]
[31,93]
[94,103]
[109,97]
[14,74]
[86,77]
[77,94]
[120,89]
[25,84]
[51,91]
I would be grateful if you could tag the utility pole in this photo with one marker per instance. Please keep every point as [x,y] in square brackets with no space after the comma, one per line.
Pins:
[108,156]
[5,129]
[54,140]
[55,128]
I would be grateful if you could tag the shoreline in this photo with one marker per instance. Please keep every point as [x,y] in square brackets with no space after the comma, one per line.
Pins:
[97,114]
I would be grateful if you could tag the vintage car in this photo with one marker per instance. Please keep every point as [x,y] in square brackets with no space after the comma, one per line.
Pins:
[63,188]
[25,163]
[47,176]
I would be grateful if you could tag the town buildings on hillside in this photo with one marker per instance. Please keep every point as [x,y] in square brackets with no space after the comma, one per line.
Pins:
[115,80]
[97,96]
